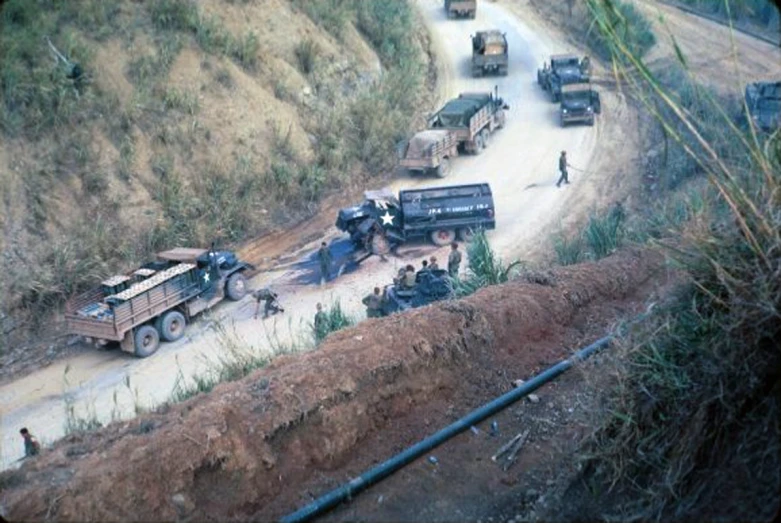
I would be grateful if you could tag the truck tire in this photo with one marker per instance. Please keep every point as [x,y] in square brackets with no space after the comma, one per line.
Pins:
[171,325]
[503,70]
[479,145]
[442,237]
[443,169]
[477,72]
[236,287]
[555,97]
[539,78]
[146,341]
[466,234]
[485,134]
[473,14]
[591,122]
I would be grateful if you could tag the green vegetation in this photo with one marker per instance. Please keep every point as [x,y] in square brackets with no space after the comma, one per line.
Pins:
[692,425]
[602,235]
[761,13]
[335,319]
[484,267]
[627,23]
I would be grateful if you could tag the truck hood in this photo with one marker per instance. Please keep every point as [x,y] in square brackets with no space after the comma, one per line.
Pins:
[569,74]
[349,214]
[576,104]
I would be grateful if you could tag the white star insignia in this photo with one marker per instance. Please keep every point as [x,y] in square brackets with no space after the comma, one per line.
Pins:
[387,218]
[206,277]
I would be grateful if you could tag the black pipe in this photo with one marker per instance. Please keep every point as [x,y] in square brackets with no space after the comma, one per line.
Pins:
[383,470]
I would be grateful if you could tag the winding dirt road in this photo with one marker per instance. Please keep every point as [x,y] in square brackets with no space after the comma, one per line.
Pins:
[520,164]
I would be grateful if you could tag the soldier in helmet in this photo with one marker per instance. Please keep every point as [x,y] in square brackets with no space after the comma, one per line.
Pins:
[321,324]
[373,304]
[453,260]
[325,259]
[563,169]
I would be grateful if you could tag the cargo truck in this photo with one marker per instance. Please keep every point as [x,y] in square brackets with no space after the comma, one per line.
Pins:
[157,300]
[440,214]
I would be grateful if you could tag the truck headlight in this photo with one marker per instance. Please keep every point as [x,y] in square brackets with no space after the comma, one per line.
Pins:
[564,111]
[589,109]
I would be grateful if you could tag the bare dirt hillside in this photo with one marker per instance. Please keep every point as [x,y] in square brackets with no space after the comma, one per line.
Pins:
[256,447]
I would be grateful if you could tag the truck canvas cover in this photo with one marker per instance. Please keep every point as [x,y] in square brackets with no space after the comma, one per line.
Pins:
[457,112]
[421,145]
[462,202]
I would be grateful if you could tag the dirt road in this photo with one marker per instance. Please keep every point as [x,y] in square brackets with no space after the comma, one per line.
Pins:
[520,164]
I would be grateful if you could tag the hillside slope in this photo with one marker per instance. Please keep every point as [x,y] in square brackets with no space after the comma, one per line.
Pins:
[192,122]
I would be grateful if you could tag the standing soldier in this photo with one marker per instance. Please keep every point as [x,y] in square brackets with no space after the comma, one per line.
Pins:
[453,260]
[324,255]
[321,324]
[373,304]
[563,169]
[31,445]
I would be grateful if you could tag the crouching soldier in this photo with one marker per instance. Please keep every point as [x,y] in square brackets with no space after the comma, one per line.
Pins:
[373,303]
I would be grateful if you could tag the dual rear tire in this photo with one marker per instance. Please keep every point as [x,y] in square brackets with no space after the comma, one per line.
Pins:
[168,327]
[444,237]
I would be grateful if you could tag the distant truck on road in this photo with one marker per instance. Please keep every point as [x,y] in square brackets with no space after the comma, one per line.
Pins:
[463,124]
[764,105]
[579,103]
[489,53]
[157,300]
[461,8]
[441,214]
[564,69]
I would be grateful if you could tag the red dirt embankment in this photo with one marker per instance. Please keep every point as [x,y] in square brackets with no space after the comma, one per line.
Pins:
[254,447]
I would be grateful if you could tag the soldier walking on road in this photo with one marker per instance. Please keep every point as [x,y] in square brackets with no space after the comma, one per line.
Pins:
[324,255]
[321,324]
[31,445]
[373,304]
[453,260]
[563,169]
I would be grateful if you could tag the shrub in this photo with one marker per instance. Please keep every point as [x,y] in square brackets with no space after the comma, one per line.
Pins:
[484,267]
[626,23]
[336,319]
[306,52]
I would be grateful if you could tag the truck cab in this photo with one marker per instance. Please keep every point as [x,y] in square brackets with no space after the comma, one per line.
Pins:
[579,103]
[763,100]
[564,69]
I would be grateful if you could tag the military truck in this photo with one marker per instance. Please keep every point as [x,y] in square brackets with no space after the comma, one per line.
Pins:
[464,124]
[764,105]
[579,103]
[157,300]
[441,214]
[430,286]
[564,69]
[489,53]
[461,8]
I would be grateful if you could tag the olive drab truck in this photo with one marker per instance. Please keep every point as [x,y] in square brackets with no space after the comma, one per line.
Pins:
[763,100]
[157,300]
[564,69]
[489,53]
[461,8]
[384,221]
[463,124]
[579,103]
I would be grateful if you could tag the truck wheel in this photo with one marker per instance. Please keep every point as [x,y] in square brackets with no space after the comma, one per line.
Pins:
[503,70]
[555,97]
[171,325]
[477,72]
[466,234]
[563,122]
[485,134]
[443,169]
[442,237]
[539,77]
[146,341]
[236,286]
[473,15]
[591,122]
[479,143]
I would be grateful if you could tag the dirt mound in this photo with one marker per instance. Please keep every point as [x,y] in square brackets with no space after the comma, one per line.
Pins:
[253,447]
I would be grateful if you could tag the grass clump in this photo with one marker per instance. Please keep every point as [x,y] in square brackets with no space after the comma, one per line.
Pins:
[306,52]
[484,267]
[627,23]
[335,319]
[692,425]
[602,235]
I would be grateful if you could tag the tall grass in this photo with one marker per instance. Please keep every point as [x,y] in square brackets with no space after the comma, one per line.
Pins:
[601,236]
[335,319]
[761,13]
[693,425]
[484,267]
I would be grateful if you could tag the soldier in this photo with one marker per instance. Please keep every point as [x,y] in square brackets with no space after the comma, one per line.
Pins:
[31,445]
[321,324]
[324,255]
[432,263]
[269,297]
[373,304]
[424,266]
[409,277]
[585,65]
[453,260]
[563,169]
